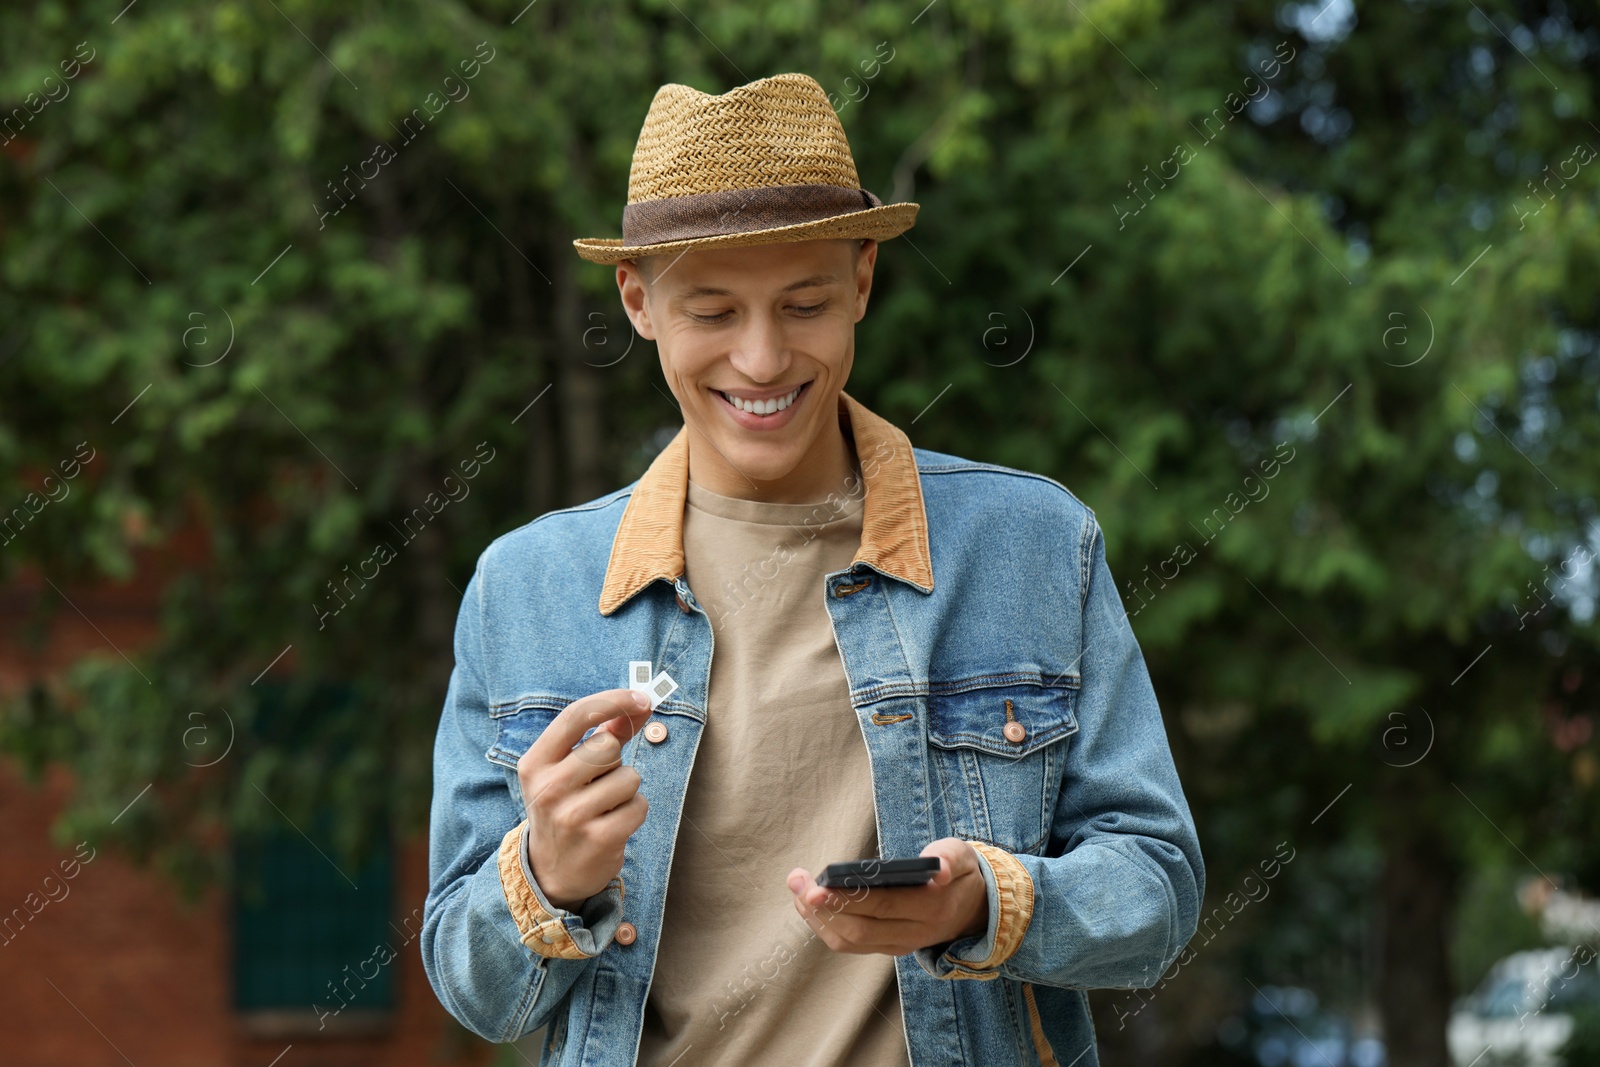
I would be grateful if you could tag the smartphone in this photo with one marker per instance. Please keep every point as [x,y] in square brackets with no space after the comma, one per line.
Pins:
[878,874]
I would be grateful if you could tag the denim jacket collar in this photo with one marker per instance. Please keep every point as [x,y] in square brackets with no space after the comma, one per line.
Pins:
[894,523]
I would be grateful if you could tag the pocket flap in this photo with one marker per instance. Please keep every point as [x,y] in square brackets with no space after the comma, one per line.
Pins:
[974,714]
[518,725]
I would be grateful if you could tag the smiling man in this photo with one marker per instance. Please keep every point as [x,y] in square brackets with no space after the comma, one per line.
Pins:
[916,655]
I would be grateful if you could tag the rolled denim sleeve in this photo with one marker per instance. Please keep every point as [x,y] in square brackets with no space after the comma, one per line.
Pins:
[1116,895]
[1010,904]
[543,927]
[476,956]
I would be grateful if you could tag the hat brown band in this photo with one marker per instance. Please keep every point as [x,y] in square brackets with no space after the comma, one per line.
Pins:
[681,218]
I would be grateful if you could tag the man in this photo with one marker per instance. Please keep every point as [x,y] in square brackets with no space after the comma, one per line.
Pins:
[916,654]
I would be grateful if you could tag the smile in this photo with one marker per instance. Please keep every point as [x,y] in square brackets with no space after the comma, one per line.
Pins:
[764,407]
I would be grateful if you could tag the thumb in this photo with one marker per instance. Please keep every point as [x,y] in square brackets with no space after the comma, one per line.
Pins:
[624,726]
[948,850]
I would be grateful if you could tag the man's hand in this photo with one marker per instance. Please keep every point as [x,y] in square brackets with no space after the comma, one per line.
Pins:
[902,919]
[582,804]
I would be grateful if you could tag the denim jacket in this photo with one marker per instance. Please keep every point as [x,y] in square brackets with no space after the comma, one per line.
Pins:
[1003,699]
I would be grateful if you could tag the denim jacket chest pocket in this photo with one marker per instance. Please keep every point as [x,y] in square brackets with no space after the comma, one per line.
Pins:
[998,746]
[517,725]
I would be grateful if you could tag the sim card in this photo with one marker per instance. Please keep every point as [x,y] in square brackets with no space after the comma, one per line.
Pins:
[661,687]
[639,675]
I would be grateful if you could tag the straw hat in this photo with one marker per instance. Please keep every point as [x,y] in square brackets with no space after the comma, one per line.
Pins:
[764,163]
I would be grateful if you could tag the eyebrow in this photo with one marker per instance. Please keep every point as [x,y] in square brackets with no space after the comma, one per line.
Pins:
[803,283]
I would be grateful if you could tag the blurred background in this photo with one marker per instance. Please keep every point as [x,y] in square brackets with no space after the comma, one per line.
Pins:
[1302,299]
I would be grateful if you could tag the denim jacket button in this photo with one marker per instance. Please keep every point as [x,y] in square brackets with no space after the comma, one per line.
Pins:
[1015,732]
[626,933]
[656,732]
[681,603]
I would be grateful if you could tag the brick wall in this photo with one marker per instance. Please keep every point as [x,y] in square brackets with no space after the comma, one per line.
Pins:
[110,965]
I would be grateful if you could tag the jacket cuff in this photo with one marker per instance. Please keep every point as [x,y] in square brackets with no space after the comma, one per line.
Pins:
[1010,890]
[545,929]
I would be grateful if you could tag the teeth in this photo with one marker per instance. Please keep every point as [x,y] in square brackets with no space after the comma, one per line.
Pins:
[762,407]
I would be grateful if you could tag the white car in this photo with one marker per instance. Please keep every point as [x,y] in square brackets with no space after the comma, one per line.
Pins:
[1516,1015]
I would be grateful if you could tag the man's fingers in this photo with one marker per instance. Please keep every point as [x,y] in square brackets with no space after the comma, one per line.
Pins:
[621,821]
[828,901]
[616,711]
[891,919]
[956,858]
[843,931]
[632,719]
[605,792]
[909,902]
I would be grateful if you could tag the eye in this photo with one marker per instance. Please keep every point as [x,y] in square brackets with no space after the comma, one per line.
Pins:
[709,319]
[814,309]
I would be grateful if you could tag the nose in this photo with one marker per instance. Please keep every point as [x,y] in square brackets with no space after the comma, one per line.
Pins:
[760,349]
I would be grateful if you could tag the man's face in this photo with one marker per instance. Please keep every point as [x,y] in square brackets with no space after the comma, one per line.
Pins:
[763,325]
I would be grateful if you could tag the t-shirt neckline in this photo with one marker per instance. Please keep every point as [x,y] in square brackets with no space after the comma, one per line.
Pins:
[839,506]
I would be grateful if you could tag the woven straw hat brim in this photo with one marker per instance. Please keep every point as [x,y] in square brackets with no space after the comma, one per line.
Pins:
[879,223]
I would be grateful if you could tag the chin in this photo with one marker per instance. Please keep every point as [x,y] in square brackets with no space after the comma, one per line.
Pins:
[769,462]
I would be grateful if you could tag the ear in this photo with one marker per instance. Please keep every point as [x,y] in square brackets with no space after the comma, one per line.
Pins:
[635,298]
[864,267]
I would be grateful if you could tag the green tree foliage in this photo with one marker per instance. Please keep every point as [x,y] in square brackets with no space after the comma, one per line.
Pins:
[1301,299]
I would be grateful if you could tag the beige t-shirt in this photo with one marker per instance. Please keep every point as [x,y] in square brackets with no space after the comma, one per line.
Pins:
[781,780]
